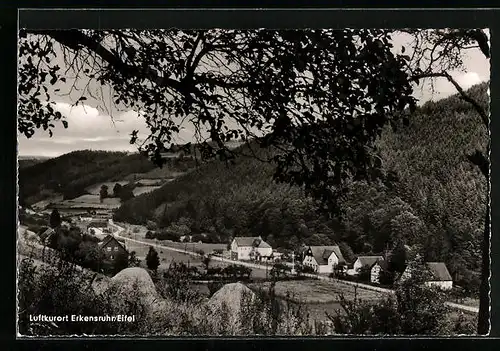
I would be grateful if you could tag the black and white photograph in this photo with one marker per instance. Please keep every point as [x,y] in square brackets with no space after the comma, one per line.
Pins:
[253,182]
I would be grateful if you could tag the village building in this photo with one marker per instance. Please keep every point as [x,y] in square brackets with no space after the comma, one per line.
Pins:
[376,268]
[248,248]
[112,247]
[365,261]
[323,259]
[439,275]
[98,227]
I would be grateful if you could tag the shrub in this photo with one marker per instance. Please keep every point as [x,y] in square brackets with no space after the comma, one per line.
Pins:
[414,310]
[176,282]
[150,225]
[308,269]
[364,273]
[66,291]
[152,259]
[213,287]
[266,314]
[200,252]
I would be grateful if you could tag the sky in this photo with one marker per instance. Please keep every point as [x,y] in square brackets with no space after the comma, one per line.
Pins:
[91,127]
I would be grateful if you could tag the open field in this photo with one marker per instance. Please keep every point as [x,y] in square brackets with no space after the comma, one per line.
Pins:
[90,201]
[96,188]
[166,256]
[44,203]
[161,173]
[317,291]
[144,189]
[138,232]
[470,302]
[207,248]
[151,182]
[165,174]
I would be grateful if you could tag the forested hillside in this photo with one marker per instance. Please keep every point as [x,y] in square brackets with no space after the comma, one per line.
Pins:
[436,201]
[24,162]
[71,173]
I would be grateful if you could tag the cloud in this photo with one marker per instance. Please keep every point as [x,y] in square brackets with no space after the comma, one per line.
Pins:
[468,79]
[440,88]
[87,129]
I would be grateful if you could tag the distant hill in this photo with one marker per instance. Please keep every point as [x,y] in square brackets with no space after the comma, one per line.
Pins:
[436,199]
[71,173]
[27,161]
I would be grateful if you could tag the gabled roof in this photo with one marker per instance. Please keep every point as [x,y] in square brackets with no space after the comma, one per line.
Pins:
[108,238]
[382,263]
[369,260]
[322,253]
[97,223]
[439,271]
[264,245]
[251,241]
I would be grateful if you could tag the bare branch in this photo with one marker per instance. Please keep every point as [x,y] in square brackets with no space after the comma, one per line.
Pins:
[479,109]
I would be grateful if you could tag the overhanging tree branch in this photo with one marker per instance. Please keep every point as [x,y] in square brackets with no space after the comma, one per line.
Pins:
[479,109]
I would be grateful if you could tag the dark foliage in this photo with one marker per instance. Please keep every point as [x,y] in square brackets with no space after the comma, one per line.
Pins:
[152,259]
[421,205]
[55,219]
[282,79]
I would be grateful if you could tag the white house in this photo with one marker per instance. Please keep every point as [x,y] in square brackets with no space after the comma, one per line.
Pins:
[363,261]
[439,275]
[323,259]
[375,270]
[247,248]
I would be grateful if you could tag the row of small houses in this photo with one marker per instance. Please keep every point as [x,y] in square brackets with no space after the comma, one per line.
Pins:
[325,259]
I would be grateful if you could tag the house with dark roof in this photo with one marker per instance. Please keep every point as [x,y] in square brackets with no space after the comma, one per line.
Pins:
[111,247]
[365,261]
[438,275]
[323,259]
[250,248]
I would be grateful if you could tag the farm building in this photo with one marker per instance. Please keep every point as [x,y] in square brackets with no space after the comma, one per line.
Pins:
[247,248]
[323,259]
[376,268]
[98,227]
[439,275]
[365,261]
[112,247]
[98,223]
